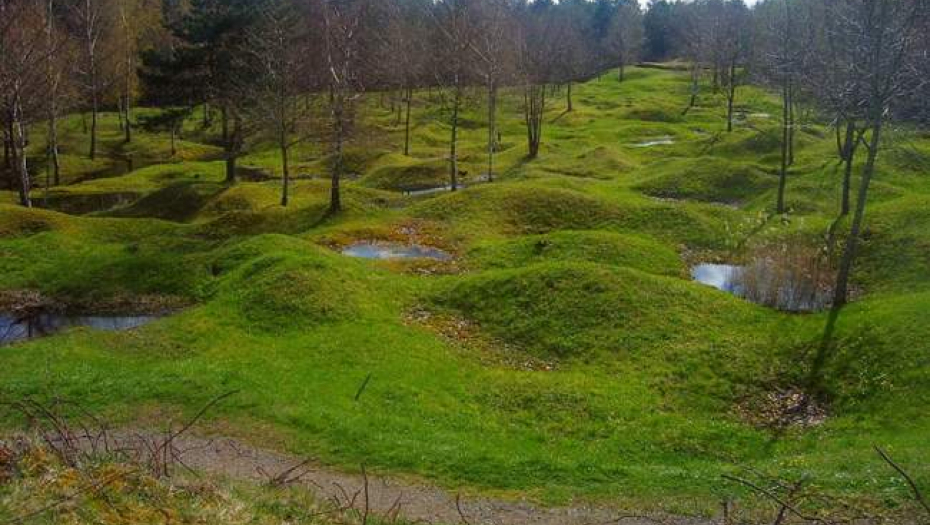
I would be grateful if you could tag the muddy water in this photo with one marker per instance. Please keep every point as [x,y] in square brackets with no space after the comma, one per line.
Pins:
[18,329]
[761,283]
[378,250]
[430,190]
[720,276]
[658,141]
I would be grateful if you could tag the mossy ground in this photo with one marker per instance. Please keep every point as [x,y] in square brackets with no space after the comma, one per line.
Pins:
[574,258]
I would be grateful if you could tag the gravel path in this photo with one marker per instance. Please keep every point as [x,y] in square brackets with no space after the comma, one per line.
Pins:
[394,496]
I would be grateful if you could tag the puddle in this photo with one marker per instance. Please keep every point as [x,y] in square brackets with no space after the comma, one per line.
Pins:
[21,328]
[659,141]
[414,192]
[761,283]
[372,250]
[720,276]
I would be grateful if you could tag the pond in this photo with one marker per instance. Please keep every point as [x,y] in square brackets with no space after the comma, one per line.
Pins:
[658,141]
[720,276]
[19,328]
[762,282]
[415,192]
[387,250]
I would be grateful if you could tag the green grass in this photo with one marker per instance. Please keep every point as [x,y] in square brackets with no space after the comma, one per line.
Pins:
[577,259]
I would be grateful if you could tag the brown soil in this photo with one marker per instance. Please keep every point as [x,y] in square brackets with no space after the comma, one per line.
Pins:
[392,496]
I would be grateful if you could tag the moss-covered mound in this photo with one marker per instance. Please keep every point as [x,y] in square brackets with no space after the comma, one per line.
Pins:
[575,310]
[178,202]
[709,179]
[17,221]
[633,251]
[277,282]
[397,172]
[521,208]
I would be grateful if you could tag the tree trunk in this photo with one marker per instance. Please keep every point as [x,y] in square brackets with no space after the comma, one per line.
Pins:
[492,127]
[53,157]
[408,101]
[230,168]
[224,121]
[534,101]
[17,133]
[569,96]
[694,89]
[127,131]
[285,171]
[785,138]
[174,133]
[7,159]
[791,124]
[93,126]
[335,196]
[731,94]
[120,112]
[849,154]
[232,147]
[94,97]
[841,293]
[453,141]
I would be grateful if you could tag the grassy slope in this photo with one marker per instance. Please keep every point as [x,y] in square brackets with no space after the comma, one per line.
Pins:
[569,260]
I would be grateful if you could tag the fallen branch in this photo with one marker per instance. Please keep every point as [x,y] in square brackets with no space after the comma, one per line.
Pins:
[361,389]
[910,481]
[784,504]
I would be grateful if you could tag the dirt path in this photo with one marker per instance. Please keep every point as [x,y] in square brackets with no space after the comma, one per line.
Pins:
[388,495]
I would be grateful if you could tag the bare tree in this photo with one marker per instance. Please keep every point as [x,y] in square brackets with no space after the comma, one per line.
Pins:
[23,51]
[780,59]
[625,35]
[404,58]
[134,18]
[694,35]
[536,56]
[94,24]
[279,48]
[495,52]
[887,70]
[343,52]
[455,26]
[56,64]
[734,45]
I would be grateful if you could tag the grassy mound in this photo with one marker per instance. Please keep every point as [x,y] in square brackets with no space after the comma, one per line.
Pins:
[16,221]
[896,247]
[520,209]
[404,173]
[633,251]
[277,282]
[178,202]
[588,311]
[709,179]
[105,258]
